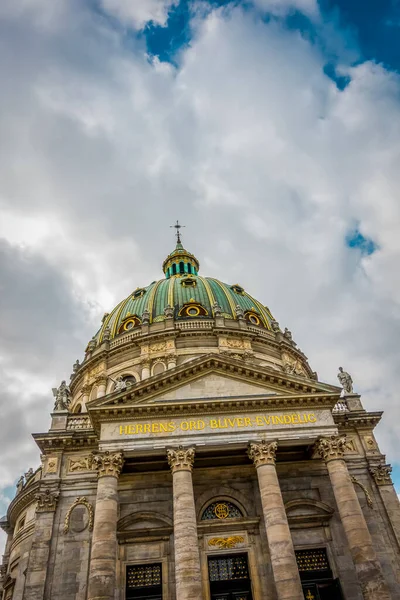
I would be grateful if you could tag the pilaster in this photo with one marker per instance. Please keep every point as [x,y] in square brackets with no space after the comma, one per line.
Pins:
[36,574]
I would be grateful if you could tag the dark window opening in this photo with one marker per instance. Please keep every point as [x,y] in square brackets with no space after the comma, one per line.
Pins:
[189,268]
[144,582]
[229,577]
[174,269]
[316,575]
[181,268]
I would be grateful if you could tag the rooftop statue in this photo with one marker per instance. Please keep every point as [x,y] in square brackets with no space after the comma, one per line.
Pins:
[288,334]
[62,396]
[239,312]
[217,310]
[345,381]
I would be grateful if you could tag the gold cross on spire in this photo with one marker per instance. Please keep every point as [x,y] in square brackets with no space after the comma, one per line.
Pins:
[177,226]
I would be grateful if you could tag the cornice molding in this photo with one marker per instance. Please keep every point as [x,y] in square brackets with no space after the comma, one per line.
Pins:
[172,378]
[21,501]
[66,440]
[358,420]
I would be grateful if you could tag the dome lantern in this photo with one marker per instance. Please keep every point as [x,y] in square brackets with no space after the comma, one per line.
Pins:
[180,261]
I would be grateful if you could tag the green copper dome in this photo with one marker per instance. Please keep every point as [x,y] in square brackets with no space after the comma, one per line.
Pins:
[183,294]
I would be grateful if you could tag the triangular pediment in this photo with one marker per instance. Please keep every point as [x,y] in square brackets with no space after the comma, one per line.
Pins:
[213,385]
[213,377]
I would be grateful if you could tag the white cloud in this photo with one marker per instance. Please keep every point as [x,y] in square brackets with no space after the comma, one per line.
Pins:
[137,13]
[283,7]
[267,163]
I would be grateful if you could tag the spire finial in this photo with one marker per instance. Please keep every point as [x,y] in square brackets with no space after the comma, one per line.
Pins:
[177,226]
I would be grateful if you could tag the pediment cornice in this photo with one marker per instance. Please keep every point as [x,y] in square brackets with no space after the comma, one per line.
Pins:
[287,391]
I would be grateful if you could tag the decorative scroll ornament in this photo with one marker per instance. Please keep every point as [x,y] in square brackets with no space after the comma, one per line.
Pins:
[181,459]
[228,542]
[381,474]
[332,448]
[46,500]
[364,489]
[84,502]
[108,464]
[262,453]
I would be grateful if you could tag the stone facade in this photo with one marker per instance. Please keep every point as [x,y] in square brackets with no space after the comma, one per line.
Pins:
[223,454]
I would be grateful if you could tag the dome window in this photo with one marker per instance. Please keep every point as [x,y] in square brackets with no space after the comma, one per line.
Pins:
[139,292]
[192,309]
[188,282]
[237,289]
[130,323]
[252,318]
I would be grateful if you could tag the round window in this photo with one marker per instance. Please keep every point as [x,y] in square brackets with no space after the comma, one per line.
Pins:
[254,319]
[129,325]
[193,311]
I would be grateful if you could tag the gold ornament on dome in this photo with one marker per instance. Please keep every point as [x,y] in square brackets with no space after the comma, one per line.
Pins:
[221,511]
[225,543]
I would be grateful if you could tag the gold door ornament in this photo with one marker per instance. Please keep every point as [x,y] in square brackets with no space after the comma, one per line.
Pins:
[227,542]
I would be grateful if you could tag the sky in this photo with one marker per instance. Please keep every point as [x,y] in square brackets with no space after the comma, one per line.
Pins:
[269,128]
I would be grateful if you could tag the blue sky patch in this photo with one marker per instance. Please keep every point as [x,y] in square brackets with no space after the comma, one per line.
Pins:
[355,239]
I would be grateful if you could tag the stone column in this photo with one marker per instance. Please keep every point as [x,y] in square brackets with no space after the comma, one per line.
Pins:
[145,368]
[85,396]
[283,558]
[381,476]
[103,559]
[368,569]
[187,556]
[36,572]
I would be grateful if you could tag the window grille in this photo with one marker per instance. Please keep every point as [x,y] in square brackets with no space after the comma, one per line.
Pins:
[221,510]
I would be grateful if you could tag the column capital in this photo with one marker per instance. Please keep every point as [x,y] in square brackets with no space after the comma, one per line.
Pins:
[262,453]
[381,474]
[108,464]
[46,500]
[331,448]
[181,459]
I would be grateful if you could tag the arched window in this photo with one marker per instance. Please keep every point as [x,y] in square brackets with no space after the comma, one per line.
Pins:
[174,269]
[189,268]
[181,268]
[158,368]
[221,509]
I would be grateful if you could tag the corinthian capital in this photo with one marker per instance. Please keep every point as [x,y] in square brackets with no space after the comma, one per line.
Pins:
[262,453]
[180,459]
[381,474]
[331,448]
[46,500]
[108,464]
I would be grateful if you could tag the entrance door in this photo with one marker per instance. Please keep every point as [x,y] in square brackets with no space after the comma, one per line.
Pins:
[316,575]
[229,577]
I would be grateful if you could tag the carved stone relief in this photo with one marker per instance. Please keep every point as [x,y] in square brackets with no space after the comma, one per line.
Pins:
[81,463]
[68,524]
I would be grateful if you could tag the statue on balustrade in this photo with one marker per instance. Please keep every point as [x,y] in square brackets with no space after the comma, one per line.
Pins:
[345,381]
[62,396]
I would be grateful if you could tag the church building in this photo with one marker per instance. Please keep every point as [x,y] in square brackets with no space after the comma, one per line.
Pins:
[195,455]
